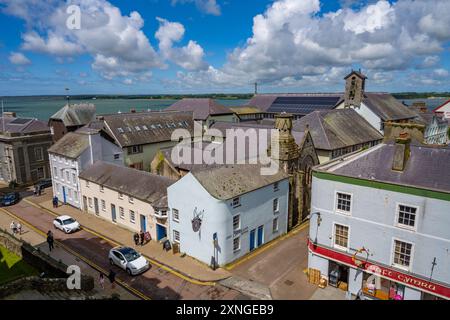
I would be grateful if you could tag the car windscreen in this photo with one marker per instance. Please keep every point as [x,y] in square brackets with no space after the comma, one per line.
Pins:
[130,254]
[68,221]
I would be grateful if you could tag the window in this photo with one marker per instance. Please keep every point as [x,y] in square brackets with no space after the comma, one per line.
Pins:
[236,222]
[236,202]
[132,216]
[74,178]
[116,156]
[120,195]
[67,176]
[176,215]
[70,193]
[121,213]
[87,184]
[38,154]
[237,243]
[276,205]
[90,202]
[176,236]
[135,149]
[40,172]
[340,236]
[344,201]
[75,196]
[130,199]
[402,253]
[407,216]
[102,189]
[103,205]
[276,186]
[61,174]
[275,225]
[55,172]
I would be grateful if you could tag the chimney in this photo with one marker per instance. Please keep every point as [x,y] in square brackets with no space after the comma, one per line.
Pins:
[401,152]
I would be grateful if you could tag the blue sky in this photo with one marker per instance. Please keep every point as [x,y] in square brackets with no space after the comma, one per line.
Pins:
[196,46]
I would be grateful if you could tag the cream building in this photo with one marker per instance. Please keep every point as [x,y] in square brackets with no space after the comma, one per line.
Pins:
[127,197]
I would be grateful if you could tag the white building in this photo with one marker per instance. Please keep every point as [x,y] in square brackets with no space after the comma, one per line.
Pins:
[72,154]
[380,223]
[444,109]
[223,213]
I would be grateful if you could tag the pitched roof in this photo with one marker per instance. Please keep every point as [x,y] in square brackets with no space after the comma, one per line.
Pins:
[335,129]
[245,110]
[387,107]
[441,106]
[141,185]
[358,73]
[130,129]
[201,108]
[230,181]
[75,114]
[71,145]
[23,125]
[427,167]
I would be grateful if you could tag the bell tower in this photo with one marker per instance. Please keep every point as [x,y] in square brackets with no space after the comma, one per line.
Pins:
[288,149]
[355,83]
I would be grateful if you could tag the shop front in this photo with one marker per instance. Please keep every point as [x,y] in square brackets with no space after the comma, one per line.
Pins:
[380,288]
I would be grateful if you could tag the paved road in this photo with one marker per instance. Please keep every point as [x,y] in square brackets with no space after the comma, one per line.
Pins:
[156,283]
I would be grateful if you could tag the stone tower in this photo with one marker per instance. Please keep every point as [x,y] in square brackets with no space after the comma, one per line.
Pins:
[354,89]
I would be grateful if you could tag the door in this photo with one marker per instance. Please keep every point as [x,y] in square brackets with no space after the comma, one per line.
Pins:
[161,232]
[96,206]
[260,236]
[143,223]
[85,204]
[113,213]
[64,194]
[252,239]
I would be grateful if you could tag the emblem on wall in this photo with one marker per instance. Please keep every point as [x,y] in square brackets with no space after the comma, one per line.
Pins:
[197,220]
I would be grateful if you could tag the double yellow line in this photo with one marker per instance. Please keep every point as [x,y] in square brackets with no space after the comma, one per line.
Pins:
[115,243]
[86,260]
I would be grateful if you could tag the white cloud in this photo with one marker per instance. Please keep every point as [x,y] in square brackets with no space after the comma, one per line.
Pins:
[19,58]
[206,6]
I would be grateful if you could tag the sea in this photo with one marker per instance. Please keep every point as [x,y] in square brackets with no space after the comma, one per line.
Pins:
[43,108]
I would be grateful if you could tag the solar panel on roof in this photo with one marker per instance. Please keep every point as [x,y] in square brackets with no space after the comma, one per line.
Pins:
[20,121]
[303,105]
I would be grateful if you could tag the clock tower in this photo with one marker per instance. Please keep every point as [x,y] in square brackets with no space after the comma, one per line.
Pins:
[354,89]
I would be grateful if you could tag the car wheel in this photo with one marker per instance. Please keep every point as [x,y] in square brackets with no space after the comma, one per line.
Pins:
[111,262]
[129,272]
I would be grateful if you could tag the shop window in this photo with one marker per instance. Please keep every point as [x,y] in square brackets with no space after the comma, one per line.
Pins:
[383,289]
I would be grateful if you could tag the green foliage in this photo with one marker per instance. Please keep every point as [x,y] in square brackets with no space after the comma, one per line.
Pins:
[12,267]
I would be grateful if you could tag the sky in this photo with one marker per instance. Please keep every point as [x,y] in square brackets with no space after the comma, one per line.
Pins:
[221,46]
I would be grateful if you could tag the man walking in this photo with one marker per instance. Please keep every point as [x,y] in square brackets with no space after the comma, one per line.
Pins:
[136,238]
[141,234]
[50,240]
[13,227]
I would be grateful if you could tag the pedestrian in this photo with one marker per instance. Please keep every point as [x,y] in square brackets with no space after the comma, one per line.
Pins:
[13,227]
[136,238]
[141,234]
[50,240]
[112,278]
[102,281]
[39,191]
[56,201]
[35,191]
[19,228]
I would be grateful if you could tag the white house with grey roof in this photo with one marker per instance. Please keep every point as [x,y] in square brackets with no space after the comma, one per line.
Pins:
[72,154]
[222,213]
[380,223]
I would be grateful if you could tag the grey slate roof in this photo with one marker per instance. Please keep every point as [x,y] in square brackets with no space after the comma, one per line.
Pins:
[230,181]
[75,114]
[23,125]
[141,185]
[427,167]
[387,107]
[201,108]
[335,129]
[130,129]
[71,145]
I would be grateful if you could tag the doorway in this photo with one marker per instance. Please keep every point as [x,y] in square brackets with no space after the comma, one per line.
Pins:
[143,223]
[95,206]
[161,232]
[338,275]
[113,213]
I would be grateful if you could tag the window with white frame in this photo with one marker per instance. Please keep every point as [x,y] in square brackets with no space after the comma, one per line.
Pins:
[176,236]
[67,176]
[276,205]
[102,189]
[90,202]
[103,205]
[344,202]
[236,202]
[61,174]
[121,213]
[55,172]
[175,215]
[130,199]
[237,243]
[340,236]
[407,216]
[402,253]
[132,216]
[236,222]
[74,178]
[275,225]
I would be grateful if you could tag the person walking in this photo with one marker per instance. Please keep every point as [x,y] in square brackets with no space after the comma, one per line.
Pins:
[39,190]
[102,281]
[50,240]
[19,228]
[112,278]
[141,235]
[13,227]
[136,238]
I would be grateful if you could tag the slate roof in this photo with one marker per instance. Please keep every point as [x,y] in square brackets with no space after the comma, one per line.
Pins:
[75,114]
[141,185]
[230,181]
[23,126]
[201,108]
[385,106]
[335,129]
[245,110]
[295,103]
[140,128]
[71,145]
[427,167]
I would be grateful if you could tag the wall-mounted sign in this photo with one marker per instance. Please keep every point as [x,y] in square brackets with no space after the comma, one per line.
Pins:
[197,220]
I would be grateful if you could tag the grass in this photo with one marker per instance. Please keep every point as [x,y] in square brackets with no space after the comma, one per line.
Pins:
[12,267]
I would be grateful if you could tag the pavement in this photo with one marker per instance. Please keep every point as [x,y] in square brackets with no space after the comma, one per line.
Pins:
[279,267]
[160,282]
[38,240]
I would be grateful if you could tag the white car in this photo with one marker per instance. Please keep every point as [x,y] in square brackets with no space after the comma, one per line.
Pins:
[66,224]
[129,260]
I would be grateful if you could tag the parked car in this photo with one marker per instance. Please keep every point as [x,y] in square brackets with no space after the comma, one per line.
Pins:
[44,183]
[66,224]
[9,199]
[129,260]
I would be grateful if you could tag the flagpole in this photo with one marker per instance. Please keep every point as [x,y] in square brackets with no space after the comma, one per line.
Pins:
[3,118]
